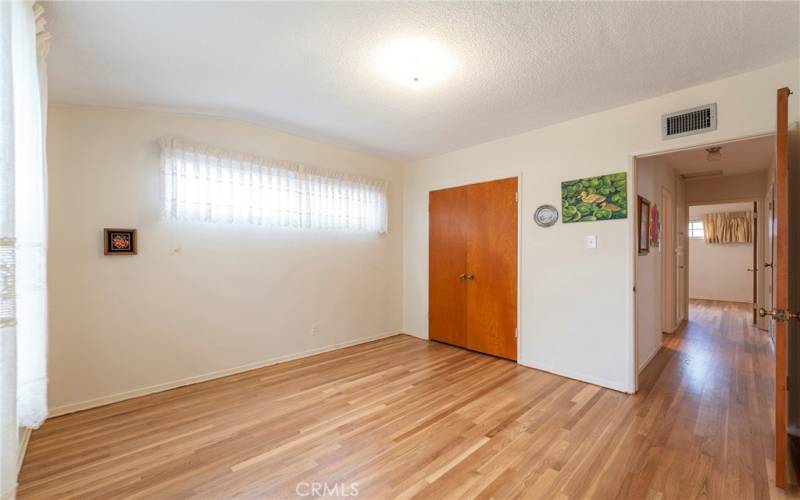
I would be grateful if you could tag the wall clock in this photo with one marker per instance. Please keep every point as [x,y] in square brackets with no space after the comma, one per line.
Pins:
[545,215]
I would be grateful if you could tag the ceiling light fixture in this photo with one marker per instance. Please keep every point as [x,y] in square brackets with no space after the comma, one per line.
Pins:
[714,153]
[415,62]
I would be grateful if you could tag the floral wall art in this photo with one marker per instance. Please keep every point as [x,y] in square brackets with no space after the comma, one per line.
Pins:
[655,227]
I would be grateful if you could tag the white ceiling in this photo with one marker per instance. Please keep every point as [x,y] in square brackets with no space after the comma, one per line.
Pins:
[736,158]
[309,68]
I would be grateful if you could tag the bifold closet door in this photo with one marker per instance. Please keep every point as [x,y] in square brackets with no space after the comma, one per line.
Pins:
[447,295]
[472,289]
[492,267]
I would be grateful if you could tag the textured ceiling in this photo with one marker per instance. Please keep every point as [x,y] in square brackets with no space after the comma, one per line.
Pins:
[309,68]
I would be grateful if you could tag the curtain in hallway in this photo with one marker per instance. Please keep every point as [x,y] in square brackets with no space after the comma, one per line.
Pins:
[23,230]
[728,227]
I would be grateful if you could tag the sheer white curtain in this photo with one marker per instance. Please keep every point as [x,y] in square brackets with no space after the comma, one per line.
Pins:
[210,185]
[9,435]
[23,306]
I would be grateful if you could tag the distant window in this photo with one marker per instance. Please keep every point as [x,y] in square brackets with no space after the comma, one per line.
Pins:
[696,229]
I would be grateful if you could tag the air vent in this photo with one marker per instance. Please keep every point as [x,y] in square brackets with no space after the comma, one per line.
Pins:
[689,121]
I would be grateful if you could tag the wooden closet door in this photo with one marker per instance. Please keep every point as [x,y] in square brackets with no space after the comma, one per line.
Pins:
[447,240]
[492,268]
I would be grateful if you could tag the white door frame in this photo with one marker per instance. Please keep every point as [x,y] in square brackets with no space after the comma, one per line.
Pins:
[668,300]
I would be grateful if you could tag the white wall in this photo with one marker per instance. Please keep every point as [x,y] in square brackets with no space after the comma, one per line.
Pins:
[726,189]
[652,175]
[717,271]
[576,305]
[198,299]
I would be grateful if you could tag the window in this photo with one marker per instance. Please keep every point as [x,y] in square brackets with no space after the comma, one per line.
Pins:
[209,185]
[696,229]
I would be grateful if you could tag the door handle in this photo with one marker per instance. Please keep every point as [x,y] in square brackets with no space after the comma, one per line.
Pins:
[470,277]
[778,314]
[767,264]
[462,276]
[749,270]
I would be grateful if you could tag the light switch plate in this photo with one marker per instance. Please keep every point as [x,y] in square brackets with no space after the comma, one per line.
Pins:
[591,241]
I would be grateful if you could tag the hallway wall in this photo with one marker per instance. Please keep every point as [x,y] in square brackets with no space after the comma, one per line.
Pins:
[652,176]
[719,272]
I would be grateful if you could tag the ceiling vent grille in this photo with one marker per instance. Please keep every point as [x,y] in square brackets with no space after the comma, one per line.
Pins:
[689,121]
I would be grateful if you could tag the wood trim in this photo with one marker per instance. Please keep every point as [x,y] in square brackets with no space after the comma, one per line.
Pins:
[781,285]
[755,262]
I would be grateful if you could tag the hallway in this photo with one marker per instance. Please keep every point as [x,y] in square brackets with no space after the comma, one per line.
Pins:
[711,393]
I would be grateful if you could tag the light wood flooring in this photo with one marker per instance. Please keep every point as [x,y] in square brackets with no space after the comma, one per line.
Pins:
[402,417]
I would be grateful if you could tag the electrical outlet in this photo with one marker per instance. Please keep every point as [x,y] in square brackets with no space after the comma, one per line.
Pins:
[314,330]
[591,241]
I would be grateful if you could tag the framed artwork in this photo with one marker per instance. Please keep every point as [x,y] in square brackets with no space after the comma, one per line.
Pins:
[655,227]
[595,198]
[119,241]
[643,225]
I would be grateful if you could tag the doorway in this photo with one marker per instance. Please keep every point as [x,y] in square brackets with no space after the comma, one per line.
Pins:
[722,249]
[681,186]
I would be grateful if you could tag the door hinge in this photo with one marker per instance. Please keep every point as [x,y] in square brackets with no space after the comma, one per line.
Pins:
[515,332]
[516,197]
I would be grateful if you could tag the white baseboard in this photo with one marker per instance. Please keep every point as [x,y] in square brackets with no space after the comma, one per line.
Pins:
[647,361]
[114,398]
[582,377]
[24,437]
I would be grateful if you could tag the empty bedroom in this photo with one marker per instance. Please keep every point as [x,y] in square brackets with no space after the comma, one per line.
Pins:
[377,250]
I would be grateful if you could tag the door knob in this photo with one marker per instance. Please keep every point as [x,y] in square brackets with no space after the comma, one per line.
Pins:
[767,264]
[470,277]
[778,314]
[462,276]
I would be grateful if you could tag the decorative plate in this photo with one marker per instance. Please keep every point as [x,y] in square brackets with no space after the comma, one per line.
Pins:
[545,215]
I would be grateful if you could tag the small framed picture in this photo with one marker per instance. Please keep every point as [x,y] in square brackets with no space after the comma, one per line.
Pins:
[119,241]
[643,219]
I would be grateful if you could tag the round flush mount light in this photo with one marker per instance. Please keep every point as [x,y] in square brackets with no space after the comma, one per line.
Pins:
[414,62]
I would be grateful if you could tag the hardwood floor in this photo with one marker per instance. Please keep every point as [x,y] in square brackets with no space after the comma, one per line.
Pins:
[402,417]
